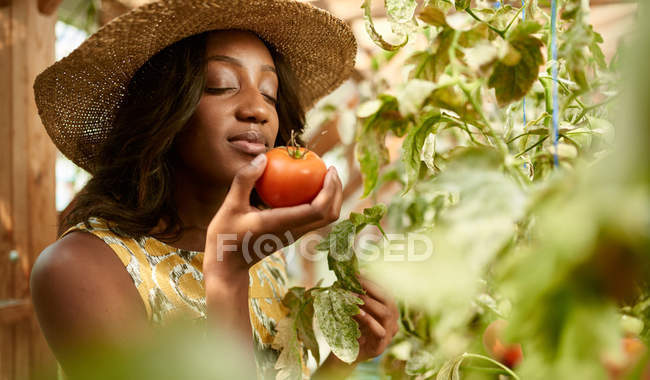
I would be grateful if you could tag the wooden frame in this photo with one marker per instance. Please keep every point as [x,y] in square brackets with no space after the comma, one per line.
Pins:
[27,185]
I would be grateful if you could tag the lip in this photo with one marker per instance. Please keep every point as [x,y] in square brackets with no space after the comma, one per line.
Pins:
[248,147]
[252,136]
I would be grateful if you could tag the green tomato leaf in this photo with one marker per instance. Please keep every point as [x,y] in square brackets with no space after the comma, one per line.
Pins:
[451,369]
[341,258]
[370,150]
[294,297]
[462,4]
[411,97]
[305,327]
[420,362]
[412,148]
[444,5]
[346,271]
[371,215]
[400,11]
[339,243]
[289,363]
[524,30]
[372,32]
[375,213]
[433,16]
[301,309]
[512,82]
[595,49]
[430,65]
[334,308]
[372,154]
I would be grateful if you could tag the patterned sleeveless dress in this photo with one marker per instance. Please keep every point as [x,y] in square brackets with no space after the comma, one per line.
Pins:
[170,283]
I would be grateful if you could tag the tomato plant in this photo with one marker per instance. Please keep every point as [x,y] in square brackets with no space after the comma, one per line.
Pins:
[293,175]
[518,165]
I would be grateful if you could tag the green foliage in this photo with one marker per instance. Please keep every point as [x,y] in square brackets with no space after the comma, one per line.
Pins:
[339,243]
[560,252]
[371,151]
[516,72]
[290,360]
[513,236]
[82,14]
[370,26]
[413,147]
[331,307]
[335,307]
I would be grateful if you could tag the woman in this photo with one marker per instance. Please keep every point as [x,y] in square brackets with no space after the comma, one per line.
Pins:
[171,108]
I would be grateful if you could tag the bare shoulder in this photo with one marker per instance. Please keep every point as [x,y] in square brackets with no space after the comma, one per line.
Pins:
[76,249]
[82,294]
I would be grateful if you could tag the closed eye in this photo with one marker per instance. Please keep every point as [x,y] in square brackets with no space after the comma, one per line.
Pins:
[219,90]
[271,99]
[223,90]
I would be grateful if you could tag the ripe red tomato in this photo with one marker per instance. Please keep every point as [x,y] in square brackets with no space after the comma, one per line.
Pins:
[508,354]
[292,176]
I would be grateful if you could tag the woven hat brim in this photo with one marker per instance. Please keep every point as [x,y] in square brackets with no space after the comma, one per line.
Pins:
[78,96]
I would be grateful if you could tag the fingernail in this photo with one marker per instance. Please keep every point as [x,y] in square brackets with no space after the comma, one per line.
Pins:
[259,160]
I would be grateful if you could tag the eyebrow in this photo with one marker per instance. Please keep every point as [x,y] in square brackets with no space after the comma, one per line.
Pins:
[237,62]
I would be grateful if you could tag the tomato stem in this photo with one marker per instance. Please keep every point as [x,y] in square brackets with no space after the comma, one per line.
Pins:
[295,151]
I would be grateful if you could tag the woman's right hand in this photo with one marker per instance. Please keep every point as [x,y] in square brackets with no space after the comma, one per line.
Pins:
[237,226]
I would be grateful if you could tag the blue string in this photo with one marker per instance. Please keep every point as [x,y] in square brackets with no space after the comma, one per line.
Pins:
[523,18]
[556,116]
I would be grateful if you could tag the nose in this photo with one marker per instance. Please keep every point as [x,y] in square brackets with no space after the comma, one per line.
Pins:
[253,107]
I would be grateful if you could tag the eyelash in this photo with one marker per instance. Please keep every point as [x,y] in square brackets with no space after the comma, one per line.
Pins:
[219,91]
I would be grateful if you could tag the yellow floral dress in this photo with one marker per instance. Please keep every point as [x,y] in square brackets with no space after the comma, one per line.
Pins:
[170,283]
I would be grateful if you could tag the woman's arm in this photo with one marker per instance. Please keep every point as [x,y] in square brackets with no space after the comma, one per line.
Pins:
[83,297]
[227,304]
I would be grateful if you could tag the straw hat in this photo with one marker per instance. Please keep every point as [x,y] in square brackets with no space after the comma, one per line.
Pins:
[78,96]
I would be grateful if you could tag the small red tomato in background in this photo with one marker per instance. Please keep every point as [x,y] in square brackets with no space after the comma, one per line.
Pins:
[508,354]
[293,176]
[633,350]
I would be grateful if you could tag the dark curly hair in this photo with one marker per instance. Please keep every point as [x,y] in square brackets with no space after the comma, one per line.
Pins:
[131,187]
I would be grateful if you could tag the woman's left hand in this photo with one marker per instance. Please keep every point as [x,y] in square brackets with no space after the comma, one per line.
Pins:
[377,320]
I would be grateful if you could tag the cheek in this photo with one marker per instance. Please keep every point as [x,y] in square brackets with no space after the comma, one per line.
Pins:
[209,119]
[201,145]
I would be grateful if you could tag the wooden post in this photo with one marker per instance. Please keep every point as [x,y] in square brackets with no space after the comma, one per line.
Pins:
[27,207]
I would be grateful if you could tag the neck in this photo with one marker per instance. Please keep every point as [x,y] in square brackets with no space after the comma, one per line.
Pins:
[196,202]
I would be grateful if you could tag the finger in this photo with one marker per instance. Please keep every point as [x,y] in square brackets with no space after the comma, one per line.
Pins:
[378,310]
[375,291]
[326,195]
[338,196]
[287,218]
[368,322]
[244,181]
[334,210]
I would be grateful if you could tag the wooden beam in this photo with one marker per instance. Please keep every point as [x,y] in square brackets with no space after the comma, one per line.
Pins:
[27,207]
[12,311]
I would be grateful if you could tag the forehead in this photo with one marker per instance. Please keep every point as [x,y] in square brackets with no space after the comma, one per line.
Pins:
[243,45]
